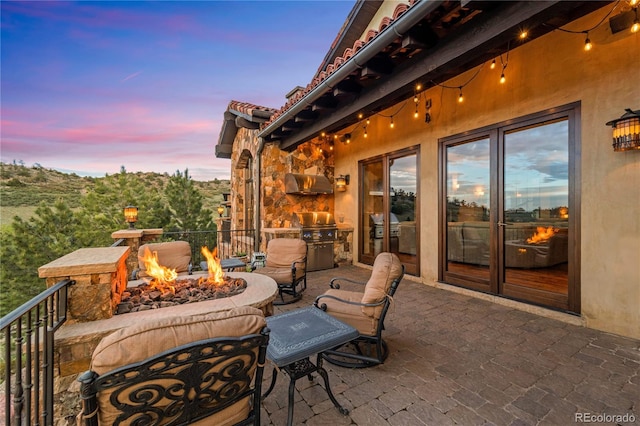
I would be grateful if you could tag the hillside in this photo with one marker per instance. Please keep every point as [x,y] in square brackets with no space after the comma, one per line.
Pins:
[23,188]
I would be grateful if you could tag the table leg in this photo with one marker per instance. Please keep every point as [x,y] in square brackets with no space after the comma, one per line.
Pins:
[325,377]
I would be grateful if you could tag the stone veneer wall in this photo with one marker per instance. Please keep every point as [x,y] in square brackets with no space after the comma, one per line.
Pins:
[277,206]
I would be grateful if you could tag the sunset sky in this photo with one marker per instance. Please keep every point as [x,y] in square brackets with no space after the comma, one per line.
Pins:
[88,87]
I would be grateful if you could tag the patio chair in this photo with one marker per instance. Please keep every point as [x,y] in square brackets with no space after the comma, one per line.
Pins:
[365,311]
[286,263]
[171,254]
[198,370]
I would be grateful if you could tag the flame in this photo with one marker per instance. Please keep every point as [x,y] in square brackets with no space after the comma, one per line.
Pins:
[162,276]
[542,235]
[216,276]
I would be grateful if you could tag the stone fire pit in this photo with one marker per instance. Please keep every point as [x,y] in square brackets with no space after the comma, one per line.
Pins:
[186,289]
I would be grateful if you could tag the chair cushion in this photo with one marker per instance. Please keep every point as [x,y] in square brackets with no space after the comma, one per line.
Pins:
[351,314]
[386,268]
[141,341]
[280,275]
[172,254]
[282,252]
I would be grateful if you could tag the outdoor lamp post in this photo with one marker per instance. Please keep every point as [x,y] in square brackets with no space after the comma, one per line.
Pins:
[131,216]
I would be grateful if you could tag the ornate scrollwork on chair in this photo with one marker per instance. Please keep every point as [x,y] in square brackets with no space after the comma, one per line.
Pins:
[218,379]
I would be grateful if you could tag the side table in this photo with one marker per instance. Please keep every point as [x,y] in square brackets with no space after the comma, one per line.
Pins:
[295,336]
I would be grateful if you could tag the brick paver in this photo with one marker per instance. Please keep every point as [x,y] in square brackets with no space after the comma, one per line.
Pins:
[455,359]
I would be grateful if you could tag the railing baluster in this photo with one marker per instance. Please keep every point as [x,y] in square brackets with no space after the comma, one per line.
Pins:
[18,393]
[7,376]
[36,384]
[28,381]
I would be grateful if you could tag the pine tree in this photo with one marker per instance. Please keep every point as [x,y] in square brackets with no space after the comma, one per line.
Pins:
[185,204]
[52,233]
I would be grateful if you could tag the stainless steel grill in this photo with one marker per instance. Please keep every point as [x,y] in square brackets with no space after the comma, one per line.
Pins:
[318,230]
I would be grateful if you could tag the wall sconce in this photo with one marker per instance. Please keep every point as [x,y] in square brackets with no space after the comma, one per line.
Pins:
[626,131]
[131,216]
[220,211]
[341,182]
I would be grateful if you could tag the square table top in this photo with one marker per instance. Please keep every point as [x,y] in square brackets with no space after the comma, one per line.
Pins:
[300,333]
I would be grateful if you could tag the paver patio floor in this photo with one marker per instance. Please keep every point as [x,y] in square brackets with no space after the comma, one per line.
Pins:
[456,359]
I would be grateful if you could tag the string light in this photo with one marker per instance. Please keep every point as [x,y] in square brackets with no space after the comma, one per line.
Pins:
[493,64]
[460,97]
[391,125]
[365,131]
[523,34]
[587,43]
[636,23]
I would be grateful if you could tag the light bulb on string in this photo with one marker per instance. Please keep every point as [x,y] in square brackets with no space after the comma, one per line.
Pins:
[460,97]
[415,114]
[391,123]
[502,77]
[636,23]
[368,121]
[587,43]
[493,64]
[365,132]
[523,34]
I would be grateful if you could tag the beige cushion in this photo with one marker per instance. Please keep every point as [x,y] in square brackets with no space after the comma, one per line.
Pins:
[141,341]
[281,253]
[386,268]
[351,314]
[173,255]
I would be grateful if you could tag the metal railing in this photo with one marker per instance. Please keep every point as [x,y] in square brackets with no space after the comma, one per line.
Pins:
[229,243]
[28,347]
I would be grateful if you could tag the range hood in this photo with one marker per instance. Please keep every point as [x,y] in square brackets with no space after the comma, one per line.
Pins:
[300,184]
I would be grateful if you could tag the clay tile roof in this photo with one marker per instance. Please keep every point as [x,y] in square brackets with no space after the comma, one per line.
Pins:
[339,60]
[248,108]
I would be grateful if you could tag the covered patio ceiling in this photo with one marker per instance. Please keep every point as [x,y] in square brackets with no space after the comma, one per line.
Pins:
[429,43]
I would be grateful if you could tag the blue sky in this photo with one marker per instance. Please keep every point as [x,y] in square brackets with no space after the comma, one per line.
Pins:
[92,86]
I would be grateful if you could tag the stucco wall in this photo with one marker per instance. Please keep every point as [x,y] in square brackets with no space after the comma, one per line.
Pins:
[546,73]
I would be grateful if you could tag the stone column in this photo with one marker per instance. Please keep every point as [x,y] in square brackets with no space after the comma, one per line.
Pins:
[100,275]
[134,238]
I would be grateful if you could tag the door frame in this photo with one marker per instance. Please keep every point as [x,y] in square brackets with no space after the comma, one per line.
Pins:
[386,158]
[495,134]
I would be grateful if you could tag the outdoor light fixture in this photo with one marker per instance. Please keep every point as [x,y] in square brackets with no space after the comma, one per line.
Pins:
[131,216]
[220,211]
[341,182]
[626,131]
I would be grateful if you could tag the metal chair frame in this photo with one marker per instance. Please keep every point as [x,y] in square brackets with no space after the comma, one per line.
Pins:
[369,350]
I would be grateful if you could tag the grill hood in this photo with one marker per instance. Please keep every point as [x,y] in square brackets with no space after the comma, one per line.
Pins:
[300,184]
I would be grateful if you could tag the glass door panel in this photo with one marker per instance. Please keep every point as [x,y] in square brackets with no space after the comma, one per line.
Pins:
[467,214]
[535,209]
[403,190]
[372,211]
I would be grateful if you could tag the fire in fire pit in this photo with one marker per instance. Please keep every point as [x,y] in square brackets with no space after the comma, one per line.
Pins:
[165,289]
